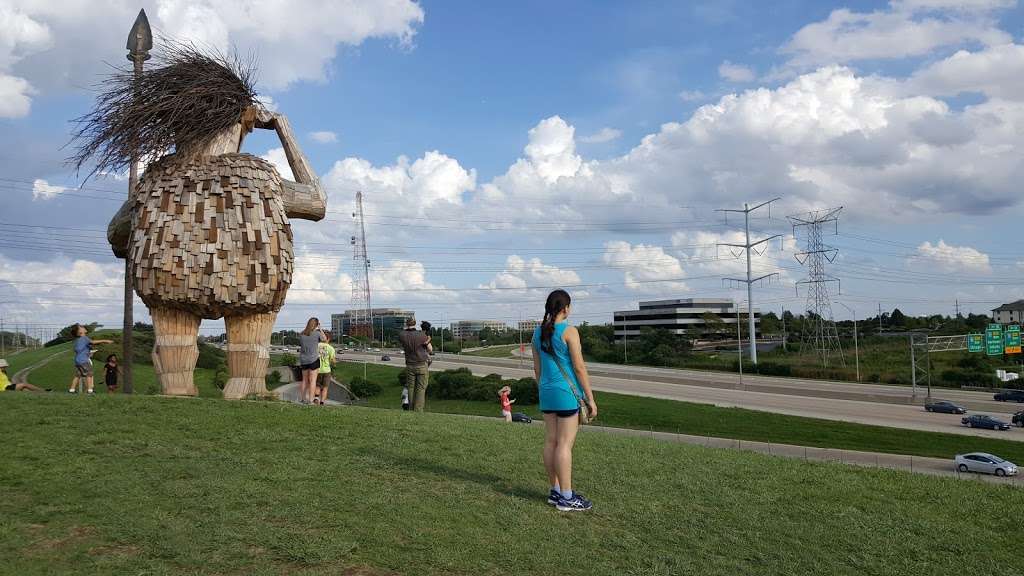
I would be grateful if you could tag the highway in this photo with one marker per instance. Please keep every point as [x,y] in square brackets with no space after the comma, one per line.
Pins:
[876,404]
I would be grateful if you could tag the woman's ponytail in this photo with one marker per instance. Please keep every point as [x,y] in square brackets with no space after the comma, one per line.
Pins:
[557,301]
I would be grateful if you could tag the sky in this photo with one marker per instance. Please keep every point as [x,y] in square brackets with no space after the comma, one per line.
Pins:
[504,149]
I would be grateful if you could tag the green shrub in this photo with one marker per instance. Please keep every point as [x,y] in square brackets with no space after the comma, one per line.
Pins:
[461,384]
[364,388]
[273,379]
[525,391]
[773,369]
[288,359]
[969,378]
[220,377]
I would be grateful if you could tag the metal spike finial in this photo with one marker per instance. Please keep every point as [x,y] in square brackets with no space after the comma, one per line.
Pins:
[140,39]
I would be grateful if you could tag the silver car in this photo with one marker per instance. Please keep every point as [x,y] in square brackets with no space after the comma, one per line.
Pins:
[985,463]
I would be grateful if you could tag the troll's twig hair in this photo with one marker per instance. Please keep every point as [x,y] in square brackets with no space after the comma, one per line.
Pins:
[188,97]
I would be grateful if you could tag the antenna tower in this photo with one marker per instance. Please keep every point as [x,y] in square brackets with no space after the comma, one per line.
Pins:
[819,333]
[361,314]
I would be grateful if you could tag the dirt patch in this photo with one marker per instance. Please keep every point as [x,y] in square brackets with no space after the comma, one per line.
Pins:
[367,571]
[44,546]
[115,550]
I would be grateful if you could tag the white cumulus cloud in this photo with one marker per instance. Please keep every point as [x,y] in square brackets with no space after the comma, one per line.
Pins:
[646,268]
[324,137]
[949,258]
[735,72]
[43,190]
[279,159]
[521,273]
[904,29]
[603,135]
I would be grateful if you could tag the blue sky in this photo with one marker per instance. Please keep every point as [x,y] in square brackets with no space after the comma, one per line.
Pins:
[507,147]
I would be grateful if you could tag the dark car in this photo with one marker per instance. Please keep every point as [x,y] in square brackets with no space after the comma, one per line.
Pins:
[1010,396]
[1018,419]
[945,407]
[385,358]
[983,421]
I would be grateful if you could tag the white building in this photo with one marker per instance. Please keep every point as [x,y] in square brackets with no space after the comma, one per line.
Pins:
[528,326]
[472,328]
[1009,313]
[688,316]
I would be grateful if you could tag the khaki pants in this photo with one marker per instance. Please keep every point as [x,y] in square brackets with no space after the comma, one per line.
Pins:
[416,379]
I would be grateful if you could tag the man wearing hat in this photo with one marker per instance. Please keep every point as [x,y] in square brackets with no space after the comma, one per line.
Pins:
[5,382]
[416,345]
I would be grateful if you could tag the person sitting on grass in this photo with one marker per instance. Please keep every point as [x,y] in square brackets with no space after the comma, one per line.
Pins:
[83,362]
[111,371]
[506,404]
[7,386]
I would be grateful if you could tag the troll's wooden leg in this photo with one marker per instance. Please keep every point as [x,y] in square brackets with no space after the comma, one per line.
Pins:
[175,351]
[248,354]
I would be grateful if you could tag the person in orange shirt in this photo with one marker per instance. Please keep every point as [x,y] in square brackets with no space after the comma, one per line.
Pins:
[506,404]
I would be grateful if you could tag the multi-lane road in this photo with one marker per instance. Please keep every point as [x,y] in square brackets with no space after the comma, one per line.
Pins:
[877,404]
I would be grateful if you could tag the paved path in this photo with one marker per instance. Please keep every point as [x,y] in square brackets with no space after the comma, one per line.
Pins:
[861,407]
[21,377]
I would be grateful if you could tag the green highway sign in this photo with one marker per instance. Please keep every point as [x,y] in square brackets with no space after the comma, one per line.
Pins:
[975,342]
[994,340]
[1011,339]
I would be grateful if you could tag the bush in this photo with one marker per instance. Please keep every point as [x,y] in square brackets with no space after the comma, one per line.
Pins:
[461,384]
[773,369]
[220,377]
[969,378]
[363,388]
[525,391]
[289,359]
[273,379]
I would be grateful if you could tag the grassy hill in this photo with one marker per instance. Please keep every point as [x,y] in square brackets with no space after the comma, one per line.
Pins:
[132,485]
[637,412]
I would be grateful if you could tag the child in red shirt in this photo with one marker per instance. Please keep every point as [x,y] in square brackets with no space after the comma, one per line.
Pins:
[506,404]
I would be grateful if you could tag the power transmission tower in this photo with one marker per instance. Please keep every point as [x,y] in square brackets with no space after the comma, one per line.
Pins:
[749,281]
[820,333]
[361,314]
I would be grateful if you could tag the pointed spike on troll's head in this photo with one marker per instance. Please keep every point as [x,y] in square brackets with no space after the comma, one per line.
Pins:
[187,97]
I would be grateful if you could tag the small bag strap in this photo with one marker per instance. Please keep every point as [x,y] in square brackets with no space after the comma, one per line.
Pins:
[569,381]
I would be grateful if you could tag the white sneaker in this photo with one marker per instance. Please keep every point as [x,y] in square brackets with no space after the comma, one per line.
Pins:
[89,391]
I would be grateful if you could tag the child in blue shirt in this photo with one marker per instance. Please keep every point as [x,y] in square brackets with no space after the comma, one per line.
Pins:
[83,362]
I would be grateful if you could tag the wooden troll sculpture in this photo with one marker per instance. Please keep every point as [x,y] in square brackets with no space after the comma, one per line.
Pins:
[208,230]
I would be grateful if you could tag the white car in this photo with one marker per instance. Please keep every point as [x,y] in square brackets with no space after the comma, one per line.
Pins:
[985,463]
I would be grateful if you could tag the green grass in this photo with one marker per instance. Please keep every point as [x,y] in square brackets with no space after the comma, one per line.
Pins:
[501,351]
[160,486]
[26,358]
[625,411]
[882,360]
[58,374]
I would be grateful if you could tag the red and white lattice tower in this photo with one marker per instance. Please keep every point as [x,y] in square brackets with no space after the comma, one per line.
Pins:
[361,313]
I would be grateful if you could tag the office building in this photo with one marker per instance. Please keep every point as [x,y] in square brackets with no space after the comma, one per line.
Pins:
[472,328]
[389,320]
[694,317]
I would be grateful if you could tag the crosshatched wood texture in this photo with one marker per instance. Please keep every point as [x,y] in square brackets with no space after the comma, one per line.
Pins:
[210,236]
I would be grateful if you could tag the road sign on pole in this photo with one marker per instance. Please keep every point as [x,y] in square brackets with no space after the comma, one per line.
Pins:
[994,340]
[975,342]
[1011,339]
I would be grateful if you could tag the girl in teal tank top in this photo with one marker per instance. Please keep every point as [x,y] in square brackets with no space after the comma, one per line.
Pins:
[555,394]
[561,376]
